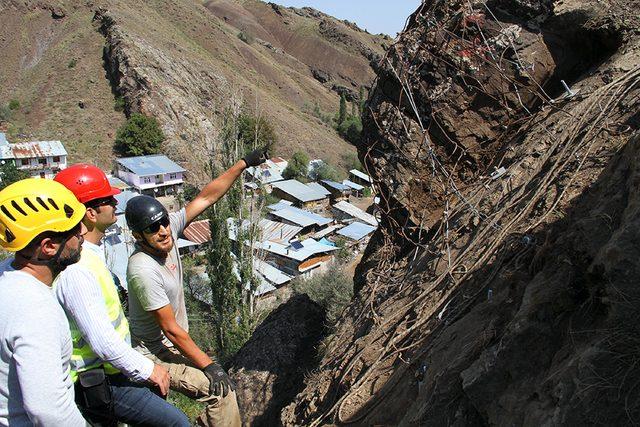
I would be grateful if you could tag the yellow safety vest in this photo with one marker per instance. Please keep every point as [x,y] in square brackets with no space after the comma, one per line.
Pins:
[83,358]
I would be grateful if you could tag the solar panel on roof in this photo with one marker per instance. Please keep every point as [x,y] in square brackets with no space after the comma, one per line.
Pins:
[296,245]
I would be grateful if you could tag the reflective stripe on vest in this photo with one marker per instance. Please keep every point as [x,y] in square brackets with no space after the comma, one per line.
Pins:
[83,358]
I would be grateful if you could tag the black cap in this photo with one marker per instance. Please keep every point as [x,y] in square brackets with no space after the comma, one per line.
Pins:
[142,211]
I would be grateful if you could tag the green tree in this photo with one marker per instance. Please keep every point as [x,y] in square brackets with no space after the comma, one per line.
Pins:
[9,174]
[297,167]
[139,135]
[326,171]
[352,162]
[351,129]
[256,132]
[14,104]
[5,113]
[342,112]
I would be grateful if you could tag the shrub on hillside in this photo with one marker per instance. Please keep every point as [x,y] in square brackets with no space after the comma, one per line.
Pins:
[297,167]
[5,113]
[326,171]
[351,129]
[246,37]
[14,104]
[333,290]
[139,136]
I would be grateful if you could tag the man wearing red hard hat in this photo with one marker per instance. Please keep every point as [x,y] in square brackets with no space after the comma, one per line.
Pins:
[108,373]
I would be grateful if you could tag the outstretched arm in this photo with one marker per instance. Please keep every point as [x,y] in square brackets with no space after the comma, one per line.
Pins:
[217,188]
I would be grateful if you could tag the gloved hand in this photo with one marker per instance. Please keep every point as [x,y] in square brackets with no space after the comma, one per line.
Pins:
[256,157]
[220,383]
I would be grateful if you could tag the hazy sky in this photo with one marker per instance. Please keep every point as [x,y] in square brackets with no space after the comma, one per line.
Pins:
[377,16]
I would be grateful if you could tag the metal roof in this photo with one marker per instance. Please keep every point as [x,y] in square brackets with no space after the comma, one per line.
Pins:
[356,230]
[156,164]
[280,205]
[301,217]
[299,190]
[353,185]
[118,183]
[277,231]
[3,139]
[326,231]
[335,185]
[356,212]
[271,273]
[184,243]
[310,248]
[38,149]
[266,173]
[360,175]
[122,199]
[317,186]
[198,231]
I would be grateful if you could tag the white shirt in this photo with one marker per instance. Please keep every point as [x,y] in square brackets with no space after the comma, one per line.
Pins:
[80,295]
[35,352]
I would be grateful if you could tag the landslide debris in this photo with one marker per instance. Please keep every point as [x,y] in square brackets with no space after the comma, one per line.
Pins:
[501,287]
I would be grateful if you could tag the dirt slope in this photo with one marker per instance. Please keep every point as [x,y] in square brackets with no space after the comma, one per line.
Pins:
[507,300]
[177,61]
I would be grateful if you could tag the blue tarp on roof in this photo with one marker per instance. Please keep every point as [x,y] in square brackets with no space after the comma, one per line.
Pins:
[157,164]
[356,230]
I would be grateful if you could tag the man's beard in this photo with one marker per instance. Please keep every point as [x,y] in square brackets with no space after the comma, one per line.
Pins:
[63,262]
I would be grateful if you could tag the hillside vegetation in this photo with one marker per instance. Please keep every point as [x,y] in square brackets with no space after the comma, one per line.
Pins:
[78,69]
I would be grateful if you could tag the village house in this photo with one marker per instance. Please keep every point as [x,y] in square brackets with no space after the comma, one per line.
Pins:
[154,175]
[356,231]
[338,190]
[265,174]
[357,190]
[346,212]
[300,195]
[360,178]
[308,222]
[42,159]
[298,258]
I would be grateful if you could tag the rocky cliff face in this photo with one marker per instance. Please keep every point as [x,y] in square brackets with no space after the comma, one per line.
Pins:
[501,287]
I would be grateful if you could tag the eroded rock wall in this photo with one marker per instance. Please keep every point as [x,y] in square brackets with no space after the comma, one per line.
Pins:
[500,289]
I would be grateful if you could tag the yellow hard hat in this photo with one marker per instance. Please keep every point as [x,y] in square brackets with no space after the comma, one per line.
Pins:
[33,206]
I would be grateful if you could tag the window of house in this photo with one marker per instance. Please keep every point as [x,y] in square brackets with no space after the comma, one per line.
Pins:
[56,159]
[146,180]
[42,161]
[24,162]
[173,176]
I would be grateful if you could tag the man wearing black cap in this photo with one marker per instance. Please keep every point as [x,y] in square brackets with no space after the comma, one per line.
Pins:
[158,318]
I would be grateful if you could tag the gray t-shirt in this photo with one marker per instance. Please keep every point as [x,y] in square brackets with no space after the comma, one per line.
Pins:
[154,283]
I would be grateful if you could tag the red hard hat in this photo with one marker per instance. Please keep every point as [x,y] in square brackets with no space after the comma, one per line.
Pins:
[86,181]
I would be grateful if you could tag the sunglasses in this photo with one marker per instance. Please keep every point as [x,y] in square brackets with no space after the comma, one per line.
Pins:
[153,228]
[102,202]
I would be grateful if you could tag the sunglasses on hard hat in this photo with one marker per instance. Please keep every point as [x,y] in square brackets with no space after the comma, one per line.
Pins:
[153,228]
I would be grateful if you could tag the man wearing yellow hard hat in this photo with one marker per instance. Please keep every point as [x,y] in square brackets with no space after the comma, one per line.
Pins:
[40,221]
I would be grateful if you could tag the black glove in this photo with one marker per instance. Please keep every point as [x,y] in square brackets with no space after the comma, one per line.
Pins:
[219,381]
[256,157]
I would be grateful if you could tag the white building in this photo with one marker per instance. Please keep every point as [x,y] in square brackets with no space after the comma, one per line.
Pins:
[41,159]
[154,175]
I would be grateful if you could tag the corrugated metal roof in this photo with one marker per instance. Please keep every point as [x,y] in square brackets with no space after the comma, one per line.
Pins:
[280,205]
[301,217]
[298,190]
[356,230]
[353,185]
[184,243]
[271,273]
[25,150]
[266,173]
[156,164]
[198,231]
[318,187]
[360,175]
[118,183]
[123,198]
[309,248]
[277,231]
[326,231]
[335,185]
[356,212]
[3,139]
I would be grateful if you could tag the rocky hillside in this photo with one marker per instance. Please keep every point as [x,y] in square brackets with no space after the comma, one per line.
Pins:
[70,63]
[501,288]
